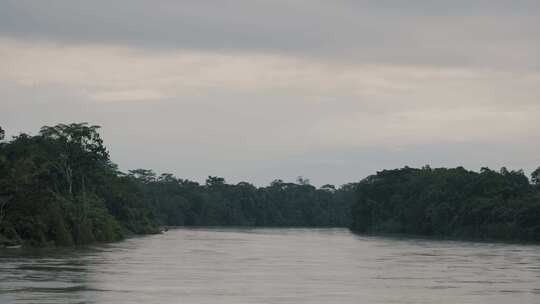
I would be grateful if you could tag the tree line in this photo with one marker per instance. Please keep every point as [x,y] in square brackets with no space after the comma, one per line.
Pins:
[60,187]
[453,203]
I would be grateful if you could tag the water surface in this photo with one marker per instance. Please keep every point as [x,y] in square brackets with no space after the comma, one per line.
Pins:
[273,266]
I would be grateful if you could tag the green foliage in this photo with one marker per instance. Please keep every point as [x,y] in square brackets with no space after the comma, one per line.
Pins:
[535,177]
[49,185]
[60,188]
[449,202]
[182,202]
[58,228]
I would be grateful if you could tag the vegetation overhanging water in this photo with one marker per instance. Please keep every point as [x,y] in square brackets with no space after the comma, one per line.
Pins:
[60,188]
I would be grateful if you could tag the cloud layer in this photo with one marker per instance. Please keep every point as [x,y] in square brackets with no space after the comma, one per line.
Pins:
[259,90]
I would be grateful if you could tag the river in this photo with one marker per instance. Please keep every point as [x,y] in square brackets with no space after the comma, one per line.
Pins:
[226,265]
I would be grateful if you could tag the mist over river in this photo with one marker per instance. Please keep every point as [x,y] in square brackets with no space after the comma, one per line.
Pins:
[237,265]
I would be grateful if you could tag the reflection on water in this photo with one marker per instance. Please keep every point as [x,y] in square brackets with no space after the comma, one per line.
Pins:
[272,266]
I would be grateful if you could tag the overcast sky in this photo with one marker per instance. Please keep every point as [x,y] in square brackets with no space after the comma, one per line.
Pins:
[258,90]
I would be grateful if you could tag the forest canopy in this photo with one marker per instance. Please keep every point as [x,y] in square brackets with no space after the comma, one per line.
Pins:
[60,187]
[450,203]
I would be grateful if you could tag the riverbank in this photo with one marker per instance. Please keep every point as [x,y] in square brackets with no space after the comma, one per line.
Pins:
[442,238]
[9,243]
[18,242]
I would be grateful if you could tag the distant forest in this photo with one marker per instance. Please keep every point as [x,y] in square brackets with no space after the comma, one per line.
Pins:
[60,188]
[454,203]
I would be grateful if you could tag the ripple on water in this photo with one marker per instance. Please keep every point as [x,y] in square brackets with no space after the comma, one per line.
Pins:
[273,266]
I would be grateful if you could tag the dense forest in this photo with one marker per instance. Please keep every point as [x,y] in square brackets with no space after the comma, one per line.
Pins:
[456,203]
[59,187]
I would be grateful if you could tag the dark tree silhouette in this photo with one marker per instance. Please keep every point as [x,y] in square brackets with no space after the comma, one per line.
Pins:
[449,202]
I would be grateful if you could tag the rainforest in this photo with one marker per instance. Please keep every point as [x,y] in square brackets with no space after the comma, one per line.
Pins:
[60,188]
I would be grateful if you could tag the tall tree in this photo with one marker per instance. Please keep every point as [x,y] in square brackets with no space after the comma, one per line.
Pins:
[535,176]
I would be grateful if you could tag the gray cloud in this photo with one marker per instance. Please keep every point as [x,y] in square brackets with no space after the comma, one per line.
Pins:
[441,32]
[257,90]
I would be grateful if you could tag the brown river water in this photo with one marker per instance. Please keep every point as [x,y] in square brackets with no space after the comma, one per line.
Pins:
[229,265]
